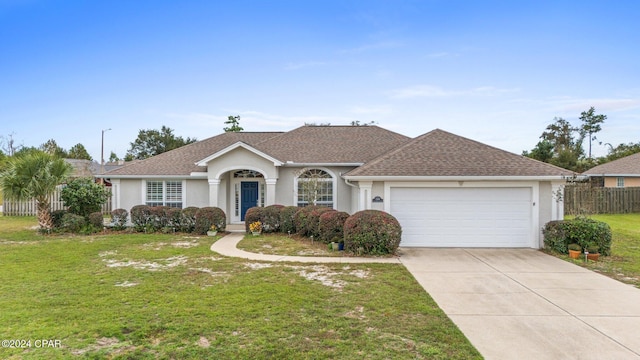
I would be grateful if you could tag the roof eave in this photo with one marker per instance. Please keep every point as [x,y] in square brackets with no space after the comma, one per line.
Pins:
[193,175]
[290,163]
[458,178]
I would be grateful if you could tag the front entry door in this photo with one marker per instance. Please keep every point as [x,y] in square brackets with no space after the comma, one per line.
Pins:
[248,196]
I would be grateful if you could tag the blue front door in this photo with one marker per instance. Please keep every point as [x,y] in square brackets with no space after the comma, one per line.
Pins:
[248,196]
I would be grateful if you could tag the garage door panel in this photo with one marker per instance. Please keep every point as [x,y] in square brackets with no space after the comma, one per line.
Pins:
[463,217]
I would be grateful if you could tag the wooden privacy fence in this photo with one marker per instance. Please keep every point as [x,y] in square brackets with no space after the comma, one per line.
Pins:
[30,208]
[584,199]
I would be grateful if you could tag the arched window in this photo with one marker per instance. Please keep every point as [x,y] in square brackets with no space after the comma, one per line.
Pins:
[315,187]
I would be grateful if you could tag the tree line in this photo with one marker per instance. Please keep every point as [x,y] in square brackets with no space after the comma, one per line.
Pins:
[563,144]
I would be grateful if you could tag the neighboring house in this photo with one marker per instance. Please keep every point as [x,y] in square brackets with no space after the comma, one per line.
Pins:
[444,189]
[624,172]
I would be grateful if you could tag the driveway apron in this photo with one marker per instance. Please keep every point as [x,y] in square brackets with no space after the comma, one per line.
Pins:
[524,304]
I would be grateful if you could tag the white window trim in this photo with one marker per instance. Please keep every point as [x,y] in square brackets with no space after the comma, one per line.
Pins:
[620,181]
[333,184]
[164,190]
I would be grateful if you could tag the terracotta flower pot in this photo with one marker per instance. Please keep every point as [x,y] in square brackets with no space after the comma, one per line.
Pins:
[574,254]
[593,257]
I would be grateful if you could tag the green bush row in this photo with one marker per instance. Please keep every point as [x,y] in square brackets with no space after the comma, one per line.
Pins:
[365,232]
[582,231]
[66,221]
[166,219]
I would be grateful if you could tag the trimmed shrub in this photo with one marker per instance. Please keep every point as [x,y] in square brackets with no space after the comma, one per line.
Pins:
[73,223]
[331,226]
[83,196]
[314,220]
[271,221]
[172,217]
[252,215]
[119,219]
[96,220]
[188,219]
[286,219]
[56,218]
[372,232]
[157,219]
[140,217]
[301,220]
[582,231]
[207,216]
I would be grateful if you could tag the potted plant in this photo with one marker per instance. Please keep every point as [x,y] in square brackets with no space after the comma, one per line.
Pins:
[213,231]
[255,227]
[592,252]
[574,251]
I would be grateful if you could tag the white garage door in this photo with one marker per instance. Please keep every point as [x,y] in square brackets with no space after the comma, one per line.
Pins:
[463,217]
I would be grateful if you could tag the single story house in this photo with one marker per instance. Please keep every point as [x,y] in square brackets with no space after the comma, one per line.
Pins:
[623,172]
[446,190]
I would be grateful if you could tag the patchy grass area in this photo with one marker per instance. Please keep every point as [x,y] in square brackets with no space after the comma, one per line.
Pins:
[624,262]
[168,296]
[279,244]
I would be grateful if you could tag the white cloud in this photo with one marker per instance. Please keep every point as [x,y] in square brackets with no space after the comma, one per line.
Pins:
[436,91]
[384,109]
[574,105]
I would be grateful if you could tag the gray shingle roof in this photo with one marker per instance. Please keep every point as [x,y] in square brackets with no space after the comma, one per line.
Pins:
[628,165]
[439,153]
[332,144]
[181,161]
[307,144]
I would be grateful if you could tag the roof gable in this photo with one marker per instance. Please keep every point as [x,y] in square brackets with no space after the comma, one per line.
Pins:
[232,147]
[628,165]
[182,161]
[441,154]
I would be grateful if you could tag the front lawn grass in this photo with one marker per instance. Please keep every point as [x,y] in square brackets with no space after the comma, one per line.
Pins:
[149,296]
[282,244]
[624,262]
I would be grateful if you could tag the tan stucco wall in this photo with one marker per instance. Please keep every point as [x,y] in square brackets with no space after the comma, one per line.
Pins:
[241,158]
[285,192]
[628,181]
[377,189]
[197,193]
[130,193]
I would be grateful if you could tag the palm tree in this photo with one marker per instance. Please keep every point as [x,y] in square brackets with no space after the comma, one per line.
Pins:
[34,175]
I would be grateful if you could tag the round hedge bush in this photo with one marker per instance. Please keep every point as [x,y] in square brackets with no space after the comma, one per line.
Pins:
[188,219]
[314,220]
[372,232]
[271,218]
[207,216]
[119,219]
[252,215]
[287,224]
[96,220]
[331,226]
[303,219]
[140,217]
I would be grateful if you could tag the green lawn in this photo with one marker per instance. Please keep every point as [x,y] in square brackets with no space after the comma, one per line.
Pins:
[168,296]
[624,262]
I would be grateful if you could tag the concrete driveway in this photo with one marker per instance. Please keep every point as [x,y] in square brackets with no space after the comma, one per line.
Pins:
[524,304]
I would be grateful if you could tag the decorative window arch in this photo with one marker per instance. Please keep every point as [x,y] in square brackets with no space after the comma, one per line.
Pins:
[247,174]
[315,187]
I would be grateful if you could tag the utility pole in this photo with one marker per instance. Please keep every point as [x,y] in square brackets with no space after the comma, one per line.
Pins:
[102,156]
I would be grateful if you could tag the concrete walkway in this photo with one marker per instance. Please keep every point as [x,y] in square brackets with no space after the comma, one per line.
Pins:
[524,304]
[228,246]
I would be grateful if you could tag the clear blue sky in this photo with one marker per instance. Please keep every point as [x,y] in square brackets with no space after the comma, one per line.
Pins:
[495,71]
